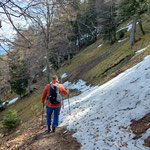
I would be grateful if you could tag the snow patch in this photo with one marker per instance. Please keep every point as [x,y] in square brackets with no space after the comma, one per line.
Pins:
[143,49]
[44,69]
[64,75]
[101,116]
[10,102]
[128,27]
[100,45]
[119,41]
[13,101]
[80,85]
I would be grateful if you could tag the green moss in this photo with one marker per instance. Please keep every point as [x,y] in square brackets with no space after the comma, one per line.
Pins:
[83,56]
[98,72]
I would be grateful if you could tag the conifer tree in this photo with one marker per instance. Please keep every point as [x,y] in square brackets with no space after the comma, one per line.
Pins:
[18,74]
[132,9]
[85,25]
[107,20]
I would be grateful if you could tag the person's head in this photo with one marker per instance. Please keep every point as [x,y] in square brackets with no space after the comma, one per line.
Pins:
[55,78]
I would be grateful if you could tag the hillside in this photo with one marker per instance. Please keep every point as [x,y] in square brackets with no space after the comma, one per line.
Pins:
[100,61]
[101,116]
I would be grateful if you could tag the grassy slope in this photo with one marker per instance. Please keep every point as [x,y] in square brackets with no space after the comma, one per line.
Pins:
[109,60]
[95,65]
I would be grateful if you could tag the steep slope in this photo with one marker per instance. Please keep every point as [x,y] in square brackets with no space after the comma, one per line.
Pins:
[101,116]
[101,61]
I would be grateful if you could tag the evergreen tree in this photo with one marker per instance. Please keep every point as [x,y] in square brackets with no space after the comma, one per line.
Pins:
[107,13]
[85,25]
[134,9]
[18,75]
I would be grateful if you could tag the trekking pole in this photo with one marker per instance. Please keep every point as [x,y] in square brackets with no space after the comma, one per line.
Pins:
[42,125]
[69,105]
[62,102]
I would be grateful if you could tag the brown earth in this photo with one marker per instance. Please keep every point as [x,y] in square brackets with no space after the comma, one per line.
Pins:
[80,71]
[35,139]
[140,126]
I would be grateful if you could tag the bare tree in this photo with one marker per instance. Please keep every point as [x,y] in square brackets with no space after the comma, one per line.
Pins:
[0,23]
[148,6]
[42,15]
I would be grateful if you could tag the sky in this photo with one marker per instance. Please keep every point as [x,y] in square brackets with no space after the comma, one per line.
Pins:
[2,51]
[7,31]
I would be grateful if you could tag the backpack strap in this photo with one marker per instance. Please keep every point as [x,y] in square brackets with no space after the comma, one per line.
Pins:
[57,88]
[51,85]
[57,85]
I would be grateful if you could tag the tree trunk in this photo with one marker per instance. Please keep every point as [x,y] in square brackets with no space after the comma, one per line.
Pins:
[110,37]
[29,90]
[0,96]
[69,59]
[61,80]
[141,27]
[95,35]
[148,7]
[132,34]
[58,59]
[47,38]
[47,73]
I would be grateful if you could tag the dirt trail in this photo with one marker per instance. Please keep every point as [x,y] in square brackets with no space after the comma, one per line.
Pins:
[36,139]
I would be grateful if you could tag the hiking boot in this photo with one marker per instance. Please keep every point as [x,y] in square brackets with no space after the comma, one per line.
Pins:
[53,129]
[49,130]
[46,132]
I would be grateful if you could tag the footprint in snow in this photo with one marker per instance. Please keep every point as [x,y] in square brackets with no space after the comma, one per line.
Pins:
[147,76]
[147,68]
[134,80]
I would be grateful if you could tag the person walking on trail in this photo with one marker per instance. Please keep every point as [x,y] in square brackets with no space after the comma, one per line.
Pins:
[52,95]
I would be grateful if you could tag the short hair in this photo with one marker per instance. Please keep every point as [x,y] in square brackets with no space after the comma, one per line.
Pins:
[55,77]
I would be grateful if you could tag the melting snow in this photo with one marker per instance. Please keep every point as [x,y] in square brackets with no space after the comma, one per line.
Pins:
[100,45]
[122,40]
[80,85]
[140,50]
[10,102]
[44,69]
[128,27]
[64,75]
[101,116]
[45,57]
[13,101]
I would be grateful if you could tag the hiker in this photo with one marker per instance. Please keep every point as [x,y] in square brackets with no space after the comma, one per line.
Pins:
[53,104]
